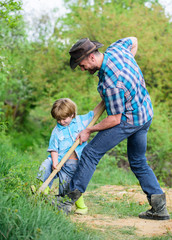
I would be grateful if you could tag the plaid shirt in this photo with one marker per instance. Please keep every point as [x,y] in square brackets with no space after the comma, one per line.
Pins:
[122,86]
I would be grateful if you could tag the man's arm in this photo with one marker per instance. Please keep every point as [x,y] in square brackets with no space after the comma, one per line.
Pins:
[106,123]
[134,45]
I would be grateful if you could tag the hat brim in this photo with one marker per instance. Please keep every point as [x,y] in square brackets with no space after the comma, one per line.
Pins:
[74,64]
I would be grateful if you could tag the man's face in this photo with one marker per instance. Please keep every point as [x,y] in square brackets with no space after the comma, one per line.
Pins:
[88,64]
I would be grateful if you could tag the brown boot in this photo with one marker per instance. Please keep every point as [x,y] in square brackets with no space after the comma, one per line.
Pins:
[158,210]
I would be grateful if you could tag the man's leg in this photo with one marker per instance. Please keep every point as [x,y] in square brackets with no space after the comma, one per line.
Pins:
[94,151]
[137,144]
[91,155]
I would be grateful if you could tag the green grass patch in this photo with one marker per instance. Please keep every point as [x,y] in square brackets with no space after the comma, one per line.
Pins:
[127,230]
[167,237]
[108,173]
[23,216]
[26,219]
[117,208]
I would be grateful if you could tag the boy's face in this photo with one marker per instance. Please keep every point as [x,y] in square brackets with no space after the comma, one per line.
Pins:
[65,122]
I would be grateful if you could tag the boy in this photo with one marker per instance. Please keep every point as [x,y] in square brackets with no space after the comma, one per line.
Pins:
[62,138]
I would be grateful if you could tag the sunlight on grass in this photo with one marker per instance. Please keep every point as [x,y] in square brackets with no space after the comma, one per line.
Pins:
[107,205]
[108,173]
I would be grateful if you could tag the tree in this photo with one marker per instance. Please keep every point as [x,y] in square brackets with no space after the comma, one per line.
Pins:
[108,21]
[14,85]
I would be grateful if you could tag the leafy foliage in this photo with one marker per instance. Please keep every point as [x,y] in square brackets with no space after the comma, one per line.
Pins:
[15,95]
[35,73]
[107,21]
[10,12]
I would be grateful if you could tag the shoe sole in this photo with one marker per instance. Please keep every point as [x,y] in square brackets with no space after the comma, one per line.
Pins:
[155,218]
[81,212]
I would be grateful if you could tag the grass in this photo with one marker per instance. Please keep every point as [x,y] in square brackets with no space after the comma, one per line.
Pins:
[118,208]
[106,209]
[25,219]
[24,216]
[108,173]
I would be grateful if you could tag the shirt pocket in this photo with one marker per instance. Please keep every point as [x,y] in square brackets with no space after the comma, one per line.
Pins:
[76,132]
[64,142]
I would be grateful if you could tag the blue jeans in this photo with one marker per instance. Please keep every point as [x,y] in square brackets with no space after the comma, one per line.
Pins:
[65,174]
[136,149]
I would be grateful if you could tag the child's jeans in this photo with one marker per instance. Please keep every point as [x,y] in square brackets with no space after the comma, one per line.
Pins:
[65,174]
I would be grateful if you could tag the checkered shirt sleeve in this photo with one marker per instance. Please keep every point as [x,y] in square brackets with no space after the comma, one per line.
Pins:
[114,100]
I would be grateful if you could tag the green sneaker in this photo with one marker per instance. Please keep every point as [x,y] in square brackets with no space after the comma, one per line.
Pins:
[81,211]
[33,189]
[81,208]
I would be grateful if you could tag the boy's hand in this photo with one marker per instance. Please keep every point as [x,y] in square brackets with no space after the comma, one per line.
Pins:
[83,136]
[54,166]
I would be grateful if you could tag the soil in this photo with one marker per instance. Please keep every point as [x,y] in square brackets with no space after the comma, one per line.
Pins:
[147,228]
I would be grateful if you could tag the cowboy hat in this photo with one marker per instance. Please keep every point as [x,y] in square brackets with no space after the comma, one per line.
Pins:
[81,49]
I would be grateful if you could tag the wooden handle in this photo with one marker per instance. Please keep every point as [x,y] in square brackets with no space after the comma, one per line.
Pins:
[67,155]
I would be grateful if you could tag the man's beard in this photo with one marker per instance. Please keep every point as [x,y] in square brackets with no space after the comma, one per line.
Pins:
[92,71]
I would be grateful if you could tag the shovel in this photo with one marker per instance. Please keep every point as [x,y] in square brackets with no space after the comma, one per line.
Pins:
[71,150]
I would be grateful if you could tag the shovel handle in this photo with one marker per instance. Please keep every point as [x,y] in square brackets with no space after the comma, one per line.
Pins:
[71,150]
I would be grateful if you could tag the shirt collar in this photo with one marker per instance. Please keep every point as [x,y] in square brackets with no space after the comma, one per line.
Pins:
[102,69]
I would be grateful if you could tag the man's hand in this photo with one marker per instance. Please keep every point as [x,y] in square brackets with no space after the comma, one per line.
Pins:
[106,123]
[83,135]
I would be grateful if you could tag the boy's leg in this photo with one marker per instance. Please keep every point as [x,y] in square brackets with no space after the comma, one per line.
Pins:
[65,175]
[45,170]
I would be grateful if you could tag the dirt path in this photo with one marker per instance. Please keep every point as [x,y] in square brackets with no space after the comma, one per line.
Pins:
[141,227]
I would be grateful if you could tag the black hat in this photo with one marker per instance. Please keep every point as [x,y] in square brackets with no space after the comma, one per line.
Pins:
[81,49]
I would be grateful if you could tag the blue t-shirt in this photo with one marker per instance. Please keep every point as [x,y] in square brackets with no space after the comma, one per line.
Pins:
[63,137]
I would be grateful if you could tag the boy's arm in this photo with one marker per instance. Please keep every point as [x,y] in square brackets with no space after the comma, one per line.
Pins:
[98,107]
[54,156]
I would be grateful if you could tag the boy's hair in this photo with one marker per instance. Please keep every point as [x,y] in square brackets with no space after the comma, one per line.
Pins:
[63,108]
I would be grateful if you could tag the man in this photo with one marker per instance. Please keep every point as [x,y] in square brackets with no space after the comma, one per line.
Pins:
[128,105]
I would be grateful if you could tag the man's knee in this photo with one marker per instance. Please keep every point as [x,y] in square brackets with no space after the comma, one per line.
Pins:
[138,166]
[91,154]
